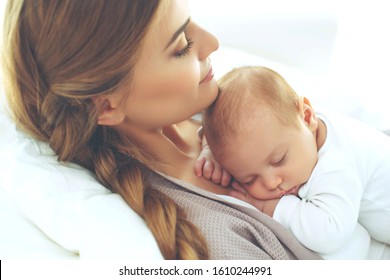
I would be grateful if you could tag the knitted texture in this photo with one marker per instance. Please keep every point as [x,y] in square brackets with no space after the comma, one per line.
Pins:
[232,231]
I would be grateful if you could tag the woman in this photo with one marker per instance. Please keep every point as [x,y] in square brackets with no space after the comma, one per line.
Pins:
[111,85]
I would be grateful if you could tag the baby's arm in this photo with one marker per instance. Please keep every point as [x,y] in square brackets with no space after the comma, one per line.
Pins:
[324,218]
[209,168]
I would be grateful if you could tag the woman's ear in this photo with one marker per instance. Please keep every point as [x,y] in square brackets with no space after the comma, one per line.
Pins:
[111,111]
[307,113]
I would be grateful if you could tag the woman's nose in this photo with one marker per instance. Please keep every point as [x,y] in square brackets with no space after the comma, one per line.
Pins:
[208,43]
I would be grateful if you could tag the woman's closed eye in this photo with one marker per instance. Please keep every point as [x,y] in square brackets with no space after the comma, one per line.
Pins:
[186,49]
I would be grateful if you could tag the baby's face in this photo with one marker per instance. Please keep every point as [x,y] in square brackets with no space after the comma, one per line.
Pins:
[273,159]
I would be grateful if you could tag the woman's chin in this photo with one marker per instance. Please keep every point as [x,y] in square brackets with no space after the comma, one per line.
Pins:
[211,92]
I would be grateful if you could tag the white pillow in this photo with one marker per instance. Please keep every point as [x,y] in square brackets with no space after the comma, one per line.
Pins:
[52,210]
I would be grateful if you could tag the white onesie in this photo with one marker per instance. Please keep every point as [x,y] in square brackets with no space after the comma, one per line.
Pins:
[350,185]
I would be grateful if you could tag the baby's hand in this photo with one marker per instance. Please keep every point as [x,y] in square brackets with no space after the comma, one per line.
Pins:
[209,168]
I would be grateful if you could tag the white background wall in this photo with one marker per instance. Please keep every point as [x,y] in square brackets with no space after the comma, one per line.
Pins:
[302,33]
[298,33]
[345,43]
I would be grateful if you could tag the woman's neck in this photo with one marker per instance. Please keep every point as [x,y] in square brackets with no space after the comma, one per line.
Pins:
[168,143]
[182,138]
[177,147]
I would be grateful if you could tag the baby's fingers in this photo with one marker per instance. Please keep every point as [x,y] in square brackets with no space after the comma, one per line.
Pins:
[217,175]
[208,169]
[226,178]
[198,167]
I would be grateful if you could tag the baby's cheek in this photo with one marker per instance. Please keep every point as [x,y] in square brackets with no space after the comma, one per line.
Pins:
[255,190]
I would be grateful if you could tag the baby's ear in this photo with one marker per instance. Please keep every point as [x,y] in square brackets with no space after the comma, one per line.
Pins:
[110,110]
[307,113]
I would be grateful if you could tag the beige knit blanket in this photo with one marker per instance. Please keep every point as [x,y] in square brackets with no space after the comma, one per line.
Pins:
[232,231]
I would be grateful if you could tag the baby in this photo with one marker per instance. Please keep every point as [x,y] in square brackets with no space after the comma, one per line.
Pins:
[319,175]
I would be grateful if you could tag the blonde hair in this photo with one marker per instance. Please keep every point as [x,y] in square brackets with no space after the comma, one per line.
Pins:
[246,94]
[61,53]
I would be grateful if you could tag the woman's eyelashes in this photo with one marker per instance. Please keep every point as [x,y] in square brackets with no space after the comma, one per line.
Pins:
[186,49]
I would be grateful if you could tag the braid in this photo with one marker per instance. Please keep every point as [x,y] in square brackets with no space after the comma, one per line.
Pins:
[176,236]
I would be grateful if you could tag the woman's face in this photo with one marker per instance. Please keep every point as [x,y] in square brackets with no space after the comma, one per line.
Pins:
[173,78]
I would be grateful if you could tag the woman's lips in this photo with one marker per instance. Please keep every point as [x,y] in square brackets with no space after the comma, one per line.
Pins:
[208,77]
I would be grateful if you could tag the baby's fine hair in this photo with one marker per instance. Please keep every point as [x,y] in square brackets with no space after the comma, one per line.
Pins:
[247,93]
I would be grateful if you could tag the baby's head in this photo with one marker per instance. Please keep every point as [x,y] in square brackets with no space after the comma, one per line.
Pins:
[247,97]
[262,133]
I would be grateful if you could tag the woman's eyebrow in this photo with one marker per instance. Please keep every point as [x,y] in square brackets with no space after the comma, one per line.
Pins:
[177,33]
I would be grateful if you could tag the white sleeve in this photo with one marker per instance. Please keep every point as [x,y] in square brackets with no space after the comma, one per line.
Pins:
[325,218]
[355,248]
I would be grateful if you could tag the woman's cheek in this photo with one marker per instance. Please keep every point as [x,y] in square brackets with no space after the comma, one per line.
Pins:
[184,76]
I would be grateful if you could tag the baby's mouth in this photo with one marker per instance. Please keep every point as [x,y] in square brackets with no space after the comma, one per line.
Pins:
[293,190]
